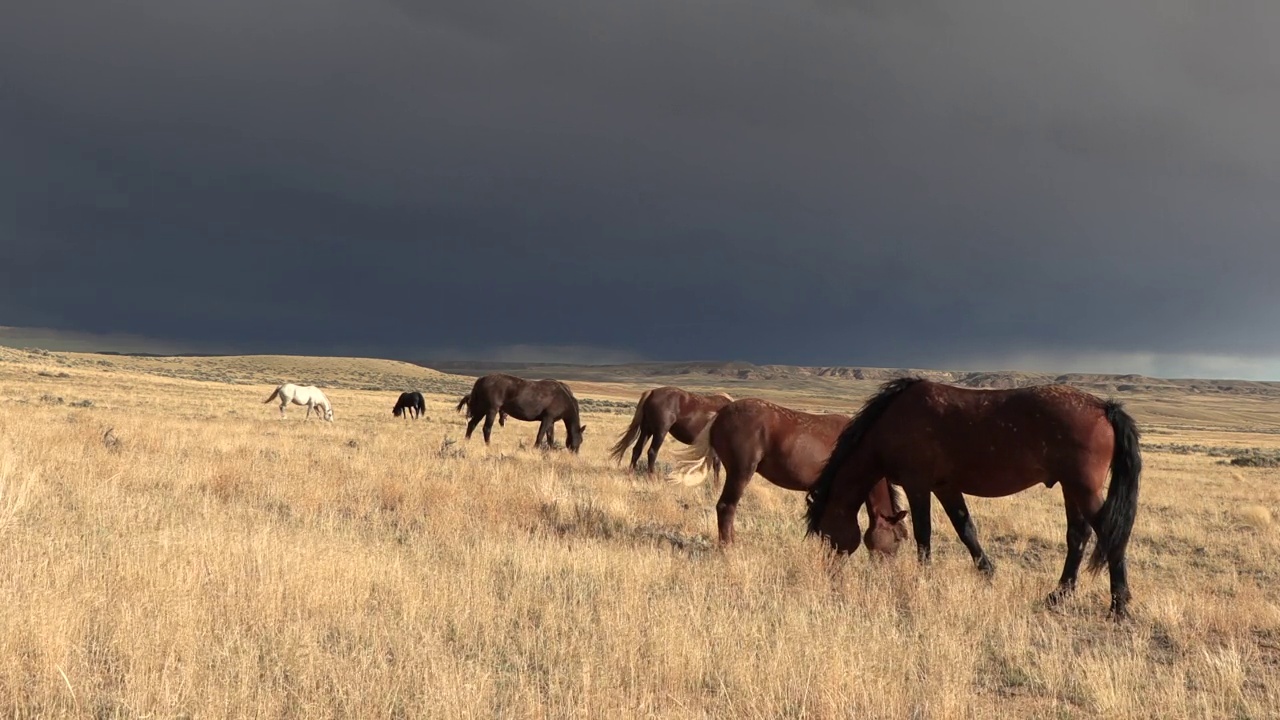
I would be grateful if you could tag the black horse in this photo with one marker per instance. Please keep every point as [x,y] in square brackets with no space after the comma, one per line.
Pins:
[541,401]
[411,402]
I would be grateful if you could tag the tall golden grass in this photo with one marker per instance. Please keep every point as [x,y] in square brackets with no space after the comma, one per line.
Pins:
[204,558]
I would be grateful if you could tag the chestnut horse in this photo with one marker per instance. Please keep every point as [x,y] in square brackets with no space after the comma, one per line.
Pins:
[947,441]
[543,401]
[668,409]
[787,447]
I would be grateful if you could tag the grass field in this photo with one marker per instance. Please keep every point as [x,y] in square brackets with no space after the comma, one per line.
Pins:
[172,548]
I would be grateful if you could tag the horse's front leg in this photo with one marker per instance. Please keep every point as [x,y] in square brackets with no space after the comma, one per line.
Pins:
[735,483]
[958,512]
[546,430]
[920,522]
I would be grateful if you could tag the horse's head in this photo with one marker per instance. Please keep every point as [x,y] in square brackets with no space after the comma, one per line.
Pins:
[842,530]
[843,534]
[397,410]
[574,441]
[328,413]
[885,533]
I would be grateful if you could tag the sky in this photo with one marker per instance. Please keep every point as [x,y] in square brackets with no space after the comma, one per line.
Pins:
[1087,186]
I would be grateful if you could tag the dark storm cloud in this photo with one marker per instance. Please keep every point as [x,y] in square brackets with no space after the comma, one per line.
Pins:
[907,183]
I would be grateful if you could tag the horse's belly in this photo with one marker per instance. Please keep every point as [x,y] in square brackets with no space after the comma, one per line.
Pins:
[519,413]
[788,474]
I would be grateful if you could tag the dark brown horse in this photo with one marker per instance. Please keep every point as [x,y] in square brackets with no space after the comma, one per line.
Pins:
[543,401]
[950,442]
[668,409]
[787,447]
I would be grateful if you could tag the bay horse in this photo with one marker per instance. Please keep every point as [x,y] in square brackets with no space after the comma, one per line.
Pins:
[410,403]
[308,395]
[787,447]
[544,401]
[930,438]
[666,409]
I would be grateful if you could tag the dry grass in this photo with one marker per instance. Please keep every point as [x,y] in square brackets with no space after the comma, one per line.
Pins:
[204,558]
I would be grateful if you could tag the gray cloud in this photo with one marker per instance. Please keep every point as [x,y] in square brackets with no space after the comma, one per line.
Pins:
[908,183]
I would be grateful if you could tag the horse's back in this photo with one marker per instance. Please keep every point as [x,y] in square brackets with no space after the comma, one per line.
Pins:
[1016,436]
[314,394]
[790,446]
[770,424]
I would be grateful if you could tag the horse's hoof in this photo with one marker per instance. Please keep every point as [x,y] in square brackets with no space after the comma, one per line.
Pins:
[1119,611]
[1058,596]
[986,567]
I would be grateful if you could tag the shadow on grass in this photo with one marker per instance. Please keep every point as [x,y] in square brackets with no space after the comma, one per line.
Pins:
[587,520]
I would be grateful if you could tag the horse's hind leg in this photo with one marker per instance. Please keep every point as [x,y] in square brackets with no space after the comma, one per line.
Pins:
[488,425]
[958,512]
[639,448]
[471,425]
[1119,573]
[1078,532]
[654,447]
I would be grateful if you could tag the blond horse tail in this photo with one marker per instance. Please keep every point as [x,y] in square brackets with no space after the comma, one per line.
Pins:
[693,463]
[633,430]
[274,394]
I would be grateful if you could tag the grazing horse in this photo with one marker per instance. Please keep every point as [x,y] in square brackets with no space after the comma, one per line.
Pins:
[308,395]
[668,409]
[410,403]
[543,401]
[930,438]
[787,447]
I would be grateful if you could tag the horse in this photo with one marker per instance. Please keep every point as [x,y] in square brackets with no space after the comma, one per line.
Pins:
[410,403]
[946,441]
[544,401]
[787,447]
[668,409]
[308,395]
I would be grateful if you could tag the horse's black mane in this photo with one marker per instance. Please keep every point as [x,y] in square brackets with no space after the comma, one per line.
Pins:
[817,497]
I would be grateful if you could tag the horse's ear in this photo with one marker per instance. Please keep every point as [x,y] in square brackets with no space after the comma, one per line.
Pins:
[582,428]
[897,517]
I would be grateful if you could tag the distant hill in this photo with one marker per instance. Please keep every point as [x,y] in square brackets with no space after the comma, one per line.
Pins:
[812,380]
[749,374]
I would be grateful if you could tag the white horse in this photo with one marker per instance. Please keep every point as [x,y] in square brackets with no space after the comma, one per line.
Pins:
[308,395]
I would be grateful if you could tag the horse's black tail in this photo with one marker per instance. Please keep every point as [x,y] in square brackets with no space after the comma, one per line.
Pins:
[1115,518]
[817,497]
[465,402]
[633,430]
